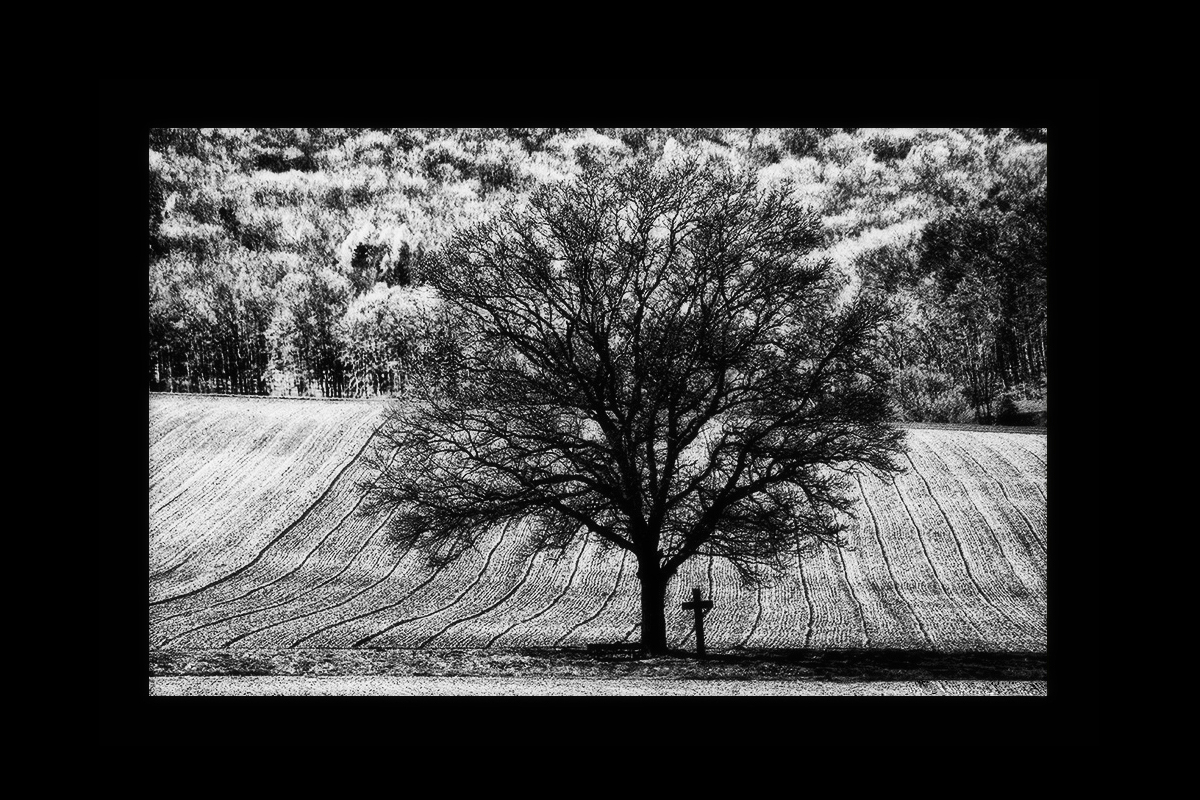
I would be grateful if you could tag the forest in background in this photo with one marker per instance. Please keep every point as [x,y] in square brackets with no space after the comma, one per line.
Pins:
[294,261]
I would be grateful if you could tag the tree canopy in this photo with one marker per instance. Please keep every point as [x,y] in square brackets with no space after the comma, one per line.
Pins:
[652,355]
[266,245]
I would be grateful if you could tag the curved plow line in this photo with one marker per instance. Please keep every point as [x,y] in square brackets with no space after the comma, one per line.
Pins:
[970,492]
[321,543]
[219,603]
[836,625]
[811,599]
[165,418]
[162,462]
[1011,456]
[282,533]
[373,611]
[1021,514]
[1037,487]
[999,453]
[266,585]
[169,426]
[966,451]
[1036,484]
[262,515]
[481,612]
[205,488]
[775,603]
[310,589]
[166,442]
[808,629]
[215,474]
[250,505]
[612,593]
[888,564]
[966,491]
[252,508]
[958,544]
[945,591]
[257,452]
[552,603]
[162,573]
[631,631]
[582,595]
[487,562]
[292,571]
[1035,453]
[1032,557]
[338,604]
[862,618]
[757,618]
[494,583]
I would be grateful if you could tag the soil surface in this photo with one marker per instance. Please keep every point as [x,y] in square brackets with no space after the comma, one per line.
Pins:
[575,687]
[566,663]
[964,426]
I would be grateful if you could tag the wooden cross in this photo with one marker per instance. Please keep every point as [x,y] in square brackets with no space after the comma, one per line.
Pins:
[701,607]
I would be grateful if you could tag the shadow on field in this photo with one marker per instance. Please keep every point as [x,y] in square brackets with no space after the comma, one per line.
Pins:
[882,665]
[823,665]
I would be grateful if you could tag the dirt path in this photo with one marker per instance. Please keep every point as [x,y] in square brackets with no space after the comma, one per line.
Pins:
[574,687]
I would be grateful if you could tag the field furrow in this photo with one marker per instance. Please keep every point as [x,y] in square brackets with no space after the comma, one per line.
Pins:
[452,584]
[319,573]
[1016,535]
[374,565]
[734,612]
[961,549]
[1024,491]
[781,614]
[577,599]
[1026,455]
[540,593]
[1009,581]
[226,535]
[474,629]
[503,573]
[207,493]
[835,622]
[595,592]
[607,624]
[408,577]
[320,576]
[279,561]
[889,617]
[248,508]
[260,539]
[947,613]
[905,582]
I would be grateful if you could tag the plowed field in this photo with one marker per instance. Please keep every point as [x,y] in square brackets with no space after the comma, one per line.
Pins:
[258,540]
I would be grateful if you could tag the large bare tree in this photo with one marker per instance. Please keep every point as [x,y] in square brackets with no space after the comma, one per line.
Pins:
[645,355]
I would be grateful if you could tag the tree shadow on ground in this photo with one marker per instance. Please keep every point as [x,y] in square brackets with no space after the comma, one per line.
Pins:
[877,665]
[739,664]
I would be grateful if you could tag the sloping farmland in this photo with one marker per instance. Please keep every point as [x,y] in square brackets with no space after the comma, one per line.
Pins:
[259,539]
[229,474]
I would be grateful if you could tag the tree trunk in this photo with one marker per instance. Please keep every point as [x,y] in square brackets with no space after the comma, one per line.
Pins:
[654,624]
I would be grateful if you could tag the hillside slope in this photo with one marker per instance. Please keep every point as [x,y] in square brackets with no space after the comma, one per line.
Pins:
[228,474]
[258,539]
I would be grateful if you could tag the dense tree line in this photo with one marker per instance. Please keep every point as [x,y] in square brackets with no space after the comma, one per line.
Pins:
[297,260]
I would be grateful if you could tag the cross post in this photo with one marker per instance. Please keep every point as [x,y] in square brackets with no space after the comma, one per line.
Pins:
[700,607]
